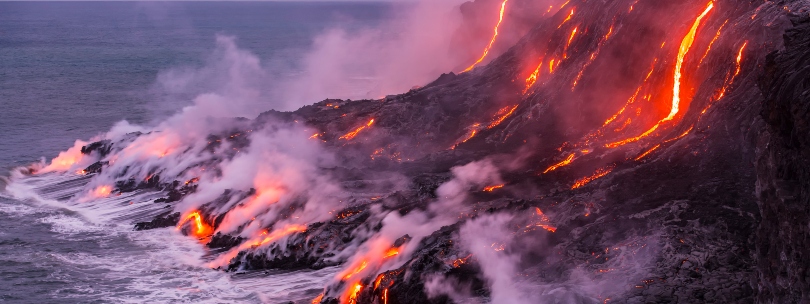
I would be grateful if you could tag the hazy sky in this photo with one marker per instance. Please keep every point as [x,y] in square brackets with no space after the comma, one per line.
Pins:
[244,0]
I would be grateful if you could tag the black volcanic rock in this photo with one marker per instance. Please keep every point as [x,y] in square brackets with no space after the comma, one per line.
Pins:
[165,220]
[224,241]
[103,148]
[783,172]
[95,167]
[713,207]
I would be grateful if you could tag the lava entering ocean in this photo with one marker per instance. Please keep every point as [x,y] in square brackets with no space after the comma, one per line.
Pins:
[600,148]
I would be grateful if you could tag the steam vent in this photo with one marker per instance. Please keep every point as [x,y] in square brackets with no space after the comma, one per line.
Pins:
[586,151]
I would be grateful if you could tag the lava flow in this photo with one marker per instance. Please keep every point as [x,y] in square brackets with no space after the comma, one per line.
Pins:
[568,18]
[543,221]
[568,44]
[596,175]
[473,131]
[102,191]
[261,239]
[200,228]
[739,59]
[686,45]
[565,162]
[350,296]
[492,41]
[354,132]
[492,188]
[504,113]
[709,48]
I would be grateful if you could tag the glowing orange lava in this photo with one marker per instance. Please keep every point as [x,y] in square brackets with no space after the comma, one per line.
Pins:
[532,79]
[551,66]
[102,191]
[378,280]
[609,33]
[504,113]
[461,261]
[568,44]
[565,162]
[350,296]
[317,299]
[647,152]
[492,41]
[629,101]
[571,15]
[592,57]
[357,270]
[680,136]
[391,252]
[66,159]
[686,44]
[739,59]
[709,48]
[201,229]
[277,234]
[354,133]
[470,135]
[544,222]
[597,175]
[493,188]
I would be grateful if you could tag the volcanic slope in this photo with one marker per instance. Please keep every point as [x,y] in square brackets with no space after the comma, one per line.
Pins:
[608,156]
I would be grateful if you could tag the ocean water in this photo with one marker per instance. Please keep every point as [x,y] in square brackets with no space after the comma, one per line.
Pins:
[70,70]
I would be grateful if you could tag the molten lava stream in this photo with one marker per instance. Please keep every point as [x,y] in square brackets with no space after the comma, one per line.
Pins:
[686,45]
[647,152]
[565,162]
[354,132]
[500,116]
[739,60]
[102,191]
[568,18]
[492,41]
[350,296]
[473,131]
[602,172]
[200,228]
[568,44]
[532,79]
[356,270]
[544,222]
[493,188]
[709,48]
[263,238]
[592,57]
[504,113]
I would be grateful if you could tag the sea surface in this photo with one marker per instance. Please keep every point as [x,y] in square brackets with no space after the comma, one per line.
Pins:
[70,70]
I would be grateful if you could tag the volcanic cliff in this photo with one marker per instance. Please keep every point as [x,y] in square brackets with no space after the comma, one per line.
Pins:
[623,151]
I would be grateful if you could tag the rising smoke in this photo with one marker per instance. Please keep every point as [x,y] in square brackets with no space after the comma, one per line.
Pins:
[267,181]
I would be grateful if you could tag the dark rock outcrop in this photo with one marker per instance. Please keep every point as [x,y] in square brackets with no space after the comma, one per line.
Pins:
[783,172]
[165,220]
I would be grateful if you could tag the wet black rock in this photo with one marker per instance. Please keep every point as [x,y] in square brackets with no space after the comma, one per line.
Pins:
[95,167]
[165,220]
[224,241]
[103,148]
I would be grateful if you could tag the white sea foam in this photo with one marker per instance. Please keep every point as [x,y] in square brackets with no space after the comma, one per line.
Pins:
[155,266]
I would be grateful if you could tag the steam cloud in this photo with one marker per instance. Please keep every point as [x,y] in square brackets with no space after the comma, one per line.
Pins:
[281,175]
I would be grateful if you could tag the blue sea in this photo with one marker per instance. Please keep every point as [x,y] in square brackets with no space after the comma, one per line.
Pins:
[70,70]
